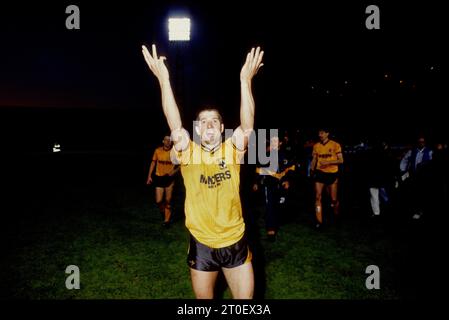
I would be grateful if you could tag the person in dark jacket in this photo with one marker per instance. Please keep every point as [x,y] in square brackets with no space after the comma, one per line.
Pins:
[416,168]
[274,180]
[380,175]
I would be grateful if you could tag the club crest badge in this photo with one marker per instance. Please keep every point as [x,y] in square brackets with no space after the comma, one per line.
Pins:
[222,164]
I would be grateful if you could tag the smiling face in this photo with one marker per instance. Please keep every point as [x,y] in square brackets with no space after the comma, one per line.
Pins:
[209,127]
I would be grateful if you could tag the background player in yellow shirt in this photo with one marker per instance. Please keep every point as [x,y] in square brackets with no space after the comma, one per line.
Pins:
[327,156]
[211,177]
[163,178]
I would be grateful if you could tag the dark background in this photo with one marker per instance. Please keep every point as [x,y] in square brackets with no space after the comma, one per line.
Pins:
[91,89]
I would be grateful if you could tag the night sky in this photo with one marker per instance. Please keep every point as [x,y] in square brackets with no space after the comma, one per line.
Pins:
[92,84]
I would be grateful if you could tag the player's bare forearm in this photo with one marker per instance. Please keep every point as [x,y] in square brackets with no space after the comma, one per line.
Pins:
[152,166]
[339,159]
[247,106]
[252,64]
[333,162]
[169,106]
[313,164]
[179,135]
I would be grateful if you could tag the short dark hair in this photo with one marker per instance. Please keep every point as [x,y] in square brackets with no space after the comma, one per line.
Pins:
[325,129]
[197,118]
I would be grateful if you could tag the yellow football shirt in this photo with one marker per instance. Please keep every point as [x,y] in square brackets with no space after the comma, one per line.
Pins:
[212,205]
[328,152]
[164,165]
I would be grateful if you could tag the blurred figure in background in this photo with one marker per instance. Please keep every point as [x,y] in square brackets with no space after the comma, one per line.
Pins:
[327,156]
[274,180]
[162,176]
[416,176]
[380,175]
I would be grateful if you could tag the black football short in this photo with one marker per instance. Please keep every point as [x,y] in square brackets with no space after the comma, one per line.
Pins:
[162,181]
[326,178]
[203,258]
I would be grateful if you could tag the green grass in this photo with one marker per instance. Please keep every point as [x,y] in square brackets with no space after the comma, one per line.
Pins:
[305,265]
[117,241]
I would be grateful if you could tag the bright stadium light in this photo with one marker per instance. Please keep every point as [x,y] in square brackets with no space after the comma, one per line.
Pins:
[179,29]
[56,147]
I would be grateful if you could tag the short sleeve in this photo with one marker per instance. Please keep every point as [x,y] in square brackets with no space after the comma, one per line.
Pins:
[182,157]
[314,150]
[237,154]
[155,155]
[337,148]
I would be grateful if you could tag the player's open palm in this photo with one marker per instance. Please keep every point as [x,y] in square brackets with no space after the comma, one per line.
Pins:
[252,64]
[156,64]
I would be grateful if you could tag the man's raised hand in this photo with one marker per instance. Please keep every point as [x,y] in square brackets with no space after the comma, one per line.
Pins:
[156,64]
[252,64]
